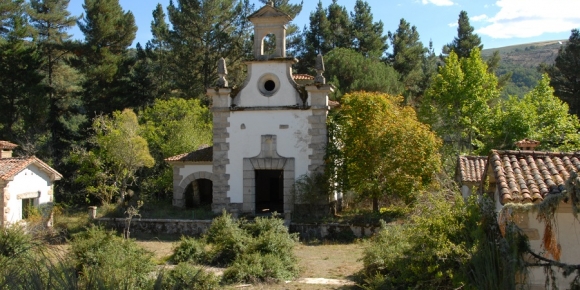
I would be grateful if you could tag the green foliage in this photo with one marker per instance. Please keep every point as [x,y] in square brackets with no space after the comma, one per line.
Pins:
[350,71]
[540,116]
[258,251]
[446,244]
[457,104]
[368,35]
[466,41]
[189,250]
[111,167]
[187,276]
[377,135]
[99,255]
[14,242]
[565,73]
[407,58]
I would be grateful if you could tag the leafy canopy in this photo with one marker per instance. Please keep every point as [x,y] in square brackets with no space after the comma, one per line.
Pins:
[386,151]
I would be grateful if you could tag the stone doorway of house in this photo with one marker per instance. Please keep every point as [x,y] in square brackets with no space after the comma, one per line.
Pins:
[269,191]
[199,193]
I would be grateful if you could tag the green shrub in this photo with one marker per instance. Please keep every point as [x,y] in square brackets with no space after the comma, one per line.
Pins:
[187,276]
[106,260]
[430,252]
[189,250]
[227,238]
[256,267]
[14,241]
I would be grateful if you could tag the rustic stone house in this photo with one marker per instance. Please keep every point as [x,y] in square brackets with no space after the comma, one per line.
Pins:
[527,176]
[265,135]
[24,182]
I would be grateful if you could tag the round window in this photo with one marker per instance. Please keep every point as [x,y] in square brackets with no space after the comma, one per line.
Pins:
[268,84]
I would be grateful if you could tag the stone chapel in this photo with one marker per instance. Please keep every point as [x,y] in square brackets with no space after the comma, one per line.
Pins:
[265,135]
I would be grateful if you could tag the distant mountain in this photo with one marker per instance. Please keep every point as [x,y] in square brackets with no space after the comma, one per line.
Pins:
[528,54]
[522,61]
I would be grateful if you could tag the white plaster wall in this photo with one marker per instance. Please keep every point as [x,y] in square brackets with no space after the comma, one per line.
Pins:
[31,179]
[568,236]
[465,192]
[251,96]
[246,143]
[190,169]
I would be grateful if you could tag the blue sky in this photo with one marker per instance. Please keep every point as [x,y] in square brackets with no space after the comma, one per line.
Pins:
[498,23]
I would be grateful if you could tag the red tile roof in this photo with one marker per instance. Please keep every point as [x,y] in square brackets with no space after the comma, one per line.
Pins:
[7,145]
[470,168]
[205,154]
[302,77]
[528,176]
[9,167]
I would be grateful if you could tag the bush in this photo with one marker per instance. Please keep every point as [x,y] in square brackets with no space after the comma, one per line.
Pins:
[259,251]
[106,260]
[187,276]
[189,250]
[228,240]
[14,241]
[430,252]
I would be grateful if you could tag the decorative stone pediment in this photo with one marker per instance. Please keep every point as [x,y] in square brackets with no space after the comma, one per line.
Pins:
[34,194]
[269,12]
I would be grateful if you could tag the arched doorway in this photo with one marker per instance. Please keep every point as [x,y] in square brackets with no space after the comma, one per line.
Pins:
[199,193]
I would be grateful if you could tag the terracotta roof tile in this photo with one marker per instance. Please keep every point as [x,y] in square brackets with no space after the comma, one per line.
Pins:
[7,145]
[528,176]
[471,168]
[204,154]
[11,166]
[302,77]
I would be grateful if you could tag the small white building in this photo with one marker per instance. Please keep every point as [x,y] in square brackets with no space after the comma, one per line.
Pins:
[527,176]
[265,135]
[24,182]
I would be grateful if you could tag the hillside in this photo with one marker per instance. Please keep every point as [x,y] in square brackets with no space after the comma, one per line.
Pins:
[528,54]
[522,62]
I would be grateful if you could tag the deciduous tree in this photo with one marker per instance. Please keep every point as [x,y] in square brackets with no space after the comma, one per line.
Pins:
[386,151]
[457,104]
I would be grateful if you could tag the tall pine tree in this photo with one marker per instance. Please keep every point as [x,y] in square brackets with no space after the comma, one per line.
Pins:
[368,35]
[52,20]
[565,73]
[204,31]
[314,39]
[338,34]
[466,40]
[109,31]
[407,57]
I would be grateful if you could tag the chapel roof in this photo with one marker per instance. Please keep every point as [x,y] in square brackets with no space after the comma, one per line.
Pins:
[529,176]
[470,168]
[203,154]
[9,167]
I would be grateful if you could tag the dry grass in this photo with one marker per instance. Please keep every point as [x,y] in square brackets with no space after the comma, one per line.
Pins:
[331,261]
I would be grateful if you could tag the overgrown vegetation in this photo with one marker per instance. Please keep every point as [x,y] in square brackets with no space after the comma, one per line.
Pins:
[253,251]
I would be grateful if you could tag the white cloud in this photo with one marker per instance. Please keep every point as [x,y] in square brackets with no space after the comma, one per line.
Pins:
[479,18]
[529,18]
[438,2]
[453,24]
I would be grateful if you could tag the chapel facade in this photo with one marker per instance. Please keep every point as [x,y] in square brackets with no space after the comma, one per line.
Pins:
[265,135]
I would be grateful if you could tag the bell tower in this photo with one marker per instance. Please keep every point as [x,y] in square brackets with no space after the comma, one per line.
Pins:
[269,21]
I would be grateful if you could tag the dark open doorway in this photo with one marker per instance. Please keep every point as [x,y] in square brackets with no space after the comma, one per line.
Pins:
[269,191]
[199,193]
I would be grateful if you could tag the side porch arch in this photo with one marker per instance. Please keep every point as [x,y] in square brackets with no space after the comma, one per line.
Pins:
[179,198]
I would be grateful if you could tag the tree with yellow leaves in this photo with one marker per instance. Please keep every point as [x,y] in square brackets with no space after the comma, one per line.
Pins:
[383,149]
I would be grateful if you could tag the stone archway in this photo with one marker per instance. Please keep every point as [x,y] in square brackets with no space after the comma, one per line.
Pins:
[179,191]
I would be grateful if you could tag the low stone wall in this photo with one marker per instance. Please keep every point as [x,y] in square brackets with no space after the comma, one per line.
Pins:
[158,226]
[341,232]
[197,227]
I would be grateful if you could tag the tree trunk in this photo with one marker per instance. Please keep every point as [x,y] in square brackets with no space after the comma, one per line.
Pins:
[375,204]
